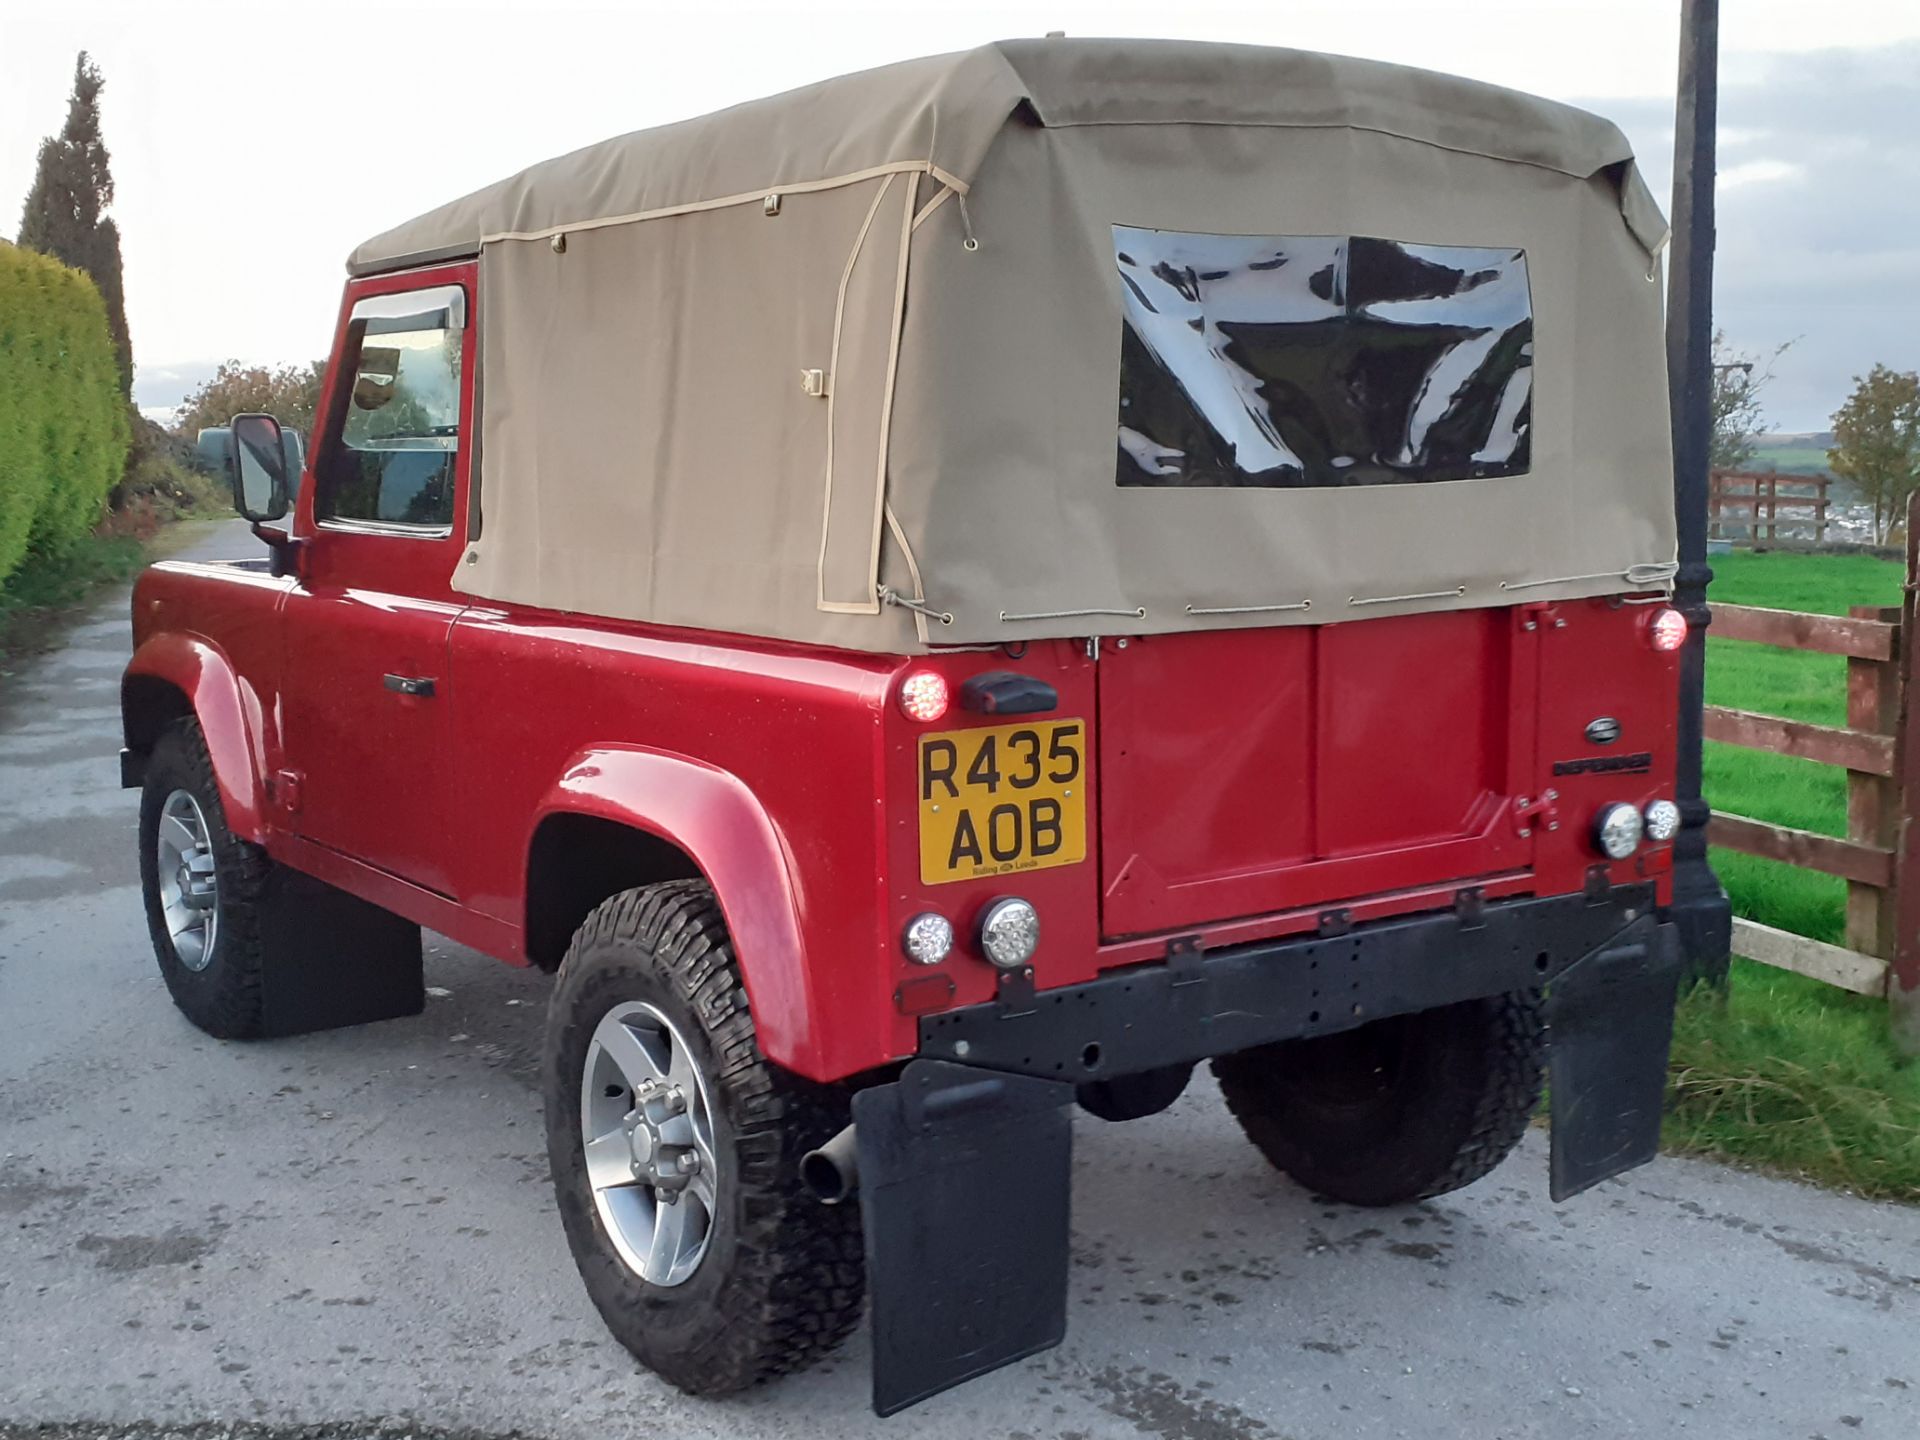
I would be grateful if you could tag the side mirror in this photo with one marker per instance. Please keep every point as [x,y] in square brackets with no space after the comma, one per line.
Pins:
[260,468]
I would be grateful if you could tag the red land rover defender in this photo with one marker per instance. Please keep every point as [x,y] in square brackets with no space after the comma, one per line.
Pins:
[956,591]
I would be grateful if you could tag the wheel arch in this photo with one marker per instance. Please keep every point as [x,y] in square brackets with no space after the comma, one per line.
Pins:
[173,677]
[622,816]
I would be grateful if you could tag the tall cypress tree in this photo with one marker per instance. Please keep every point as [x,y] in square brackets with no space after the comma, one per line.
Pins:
[65,214]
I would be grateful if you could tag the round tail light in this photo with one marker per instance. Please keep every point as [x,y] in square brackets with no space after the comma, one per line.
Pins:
[1617,830]
[1663,821]
[928,938]
[923,696]
[1667,629]
[1009,932]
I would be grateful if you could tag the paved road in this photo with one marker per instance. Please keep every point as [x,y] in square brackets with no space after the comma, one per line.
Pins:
[352,1231]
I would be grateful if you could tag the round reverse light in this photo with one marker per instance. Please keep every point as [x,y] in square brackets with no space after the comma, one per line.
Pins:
[1616,831]
[1667,629]
[1009,933]
[1663,821]
[923,696]
[928,939]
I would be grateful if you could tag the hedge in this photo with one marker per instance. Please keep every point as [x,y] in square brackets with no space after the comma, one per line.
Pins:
[63,419]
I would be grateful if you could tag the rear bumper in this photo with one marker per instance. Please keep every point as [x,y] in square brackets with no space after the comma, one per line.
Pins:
[1202,1004]
[979,1123]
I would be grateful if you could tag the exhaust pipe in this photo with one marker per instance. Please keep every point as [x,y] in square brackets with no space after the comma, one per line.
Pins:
[832,1172]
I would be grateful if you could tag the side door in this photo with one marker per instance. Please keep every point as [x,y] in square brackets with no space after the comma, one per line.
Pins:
[383,520]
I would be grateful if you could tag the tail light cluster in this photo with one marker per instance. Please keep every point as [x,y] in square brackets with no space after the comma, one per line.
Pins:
[1008,934]
[928,938]
[924,696]
[1008,930]
[1619,828]
[1666,629]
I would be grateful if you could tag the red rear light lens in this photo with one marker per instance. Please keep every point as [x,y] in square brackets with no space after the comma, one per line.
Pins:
[1667,629]
[923,696]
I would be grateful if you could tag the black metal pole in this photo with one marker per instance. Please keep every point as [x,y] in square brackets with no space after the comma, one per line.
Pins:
[1699,904]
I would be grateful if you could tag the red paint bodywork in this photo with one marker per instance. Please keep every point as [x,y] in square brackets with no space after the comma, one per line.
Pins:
[1240,783]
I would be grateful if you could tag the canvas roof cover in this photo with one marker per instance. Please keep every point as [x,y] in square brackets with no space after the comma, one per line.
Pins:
[1069,337]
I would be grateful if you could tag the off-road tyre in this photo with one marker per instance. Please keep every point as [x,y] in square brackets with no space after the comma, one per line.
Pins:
[1400,1110]
[224,998]
[782,1280]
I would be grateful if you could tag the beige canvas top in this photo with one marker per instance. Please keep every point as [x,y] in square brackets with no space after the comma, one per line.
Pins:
[851,365]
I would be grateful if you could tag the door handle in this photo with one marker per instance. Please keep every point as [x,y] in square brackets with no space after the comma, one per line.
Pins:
[409,684]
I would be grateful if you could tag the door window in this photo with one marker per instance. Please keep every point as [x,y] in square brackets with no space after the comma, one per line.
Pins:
[394,433]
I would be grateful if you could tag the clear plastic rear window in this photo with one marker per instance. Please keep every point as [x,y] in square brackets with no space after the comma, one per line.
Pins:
[1288,360]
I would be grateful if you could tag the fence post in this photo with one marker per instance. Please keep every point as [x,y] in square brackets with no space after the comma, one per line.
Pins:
[1903,973]
[1820,510]
[1873,802]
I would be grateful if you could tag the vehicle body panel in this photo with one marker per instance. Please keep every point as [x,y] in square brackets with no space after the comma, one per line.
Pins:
[351,738]
[1244,772]
[374,602]
[758,761]
[230,682]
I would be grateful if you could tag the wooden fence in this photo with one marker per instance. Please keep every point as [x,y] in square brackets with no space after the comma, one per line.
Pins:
[1756,501]
[1879,748]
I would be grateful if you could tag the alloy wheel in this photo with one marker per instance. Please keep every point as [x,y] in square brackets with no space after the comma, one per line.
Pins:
[647,1124]
[189,880]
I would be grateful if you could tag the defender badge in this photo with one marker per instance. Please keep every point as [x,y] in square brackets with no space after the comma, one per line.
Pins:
[1603,731]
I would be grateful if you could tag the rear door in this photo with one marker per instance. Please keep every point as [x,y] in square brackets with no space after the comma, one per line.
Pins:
[1249,771]
[368,685]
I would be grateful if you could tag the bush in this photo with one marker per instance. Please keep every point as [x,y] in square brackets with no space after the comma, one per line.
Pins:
[176,491]
[164,474]
[63,422]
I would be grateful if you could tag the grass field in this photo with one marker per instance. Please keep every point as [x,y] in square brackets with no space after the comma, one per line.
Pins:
[1782,1071]
[1801,687]
[1789,459]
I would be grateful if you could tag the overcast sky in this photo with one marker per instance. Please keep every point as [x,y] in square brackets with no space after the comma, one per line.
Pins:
[255,144]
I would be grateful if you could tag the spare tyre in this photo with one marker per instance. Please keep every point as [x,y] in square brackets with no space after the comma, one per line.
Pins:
[1402,1109]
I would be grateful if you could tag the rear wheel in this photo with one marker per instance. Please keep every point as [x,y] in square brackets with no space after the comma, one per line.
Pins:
[1403,1109]
[675,1148]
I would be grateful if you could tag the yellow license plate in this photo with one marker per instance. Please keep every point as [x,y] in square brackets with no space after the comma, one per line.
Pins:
[1002,800]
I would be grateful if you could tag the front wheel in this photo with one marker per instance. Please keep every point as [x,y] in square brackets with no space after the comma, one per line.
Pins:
[675,1148]
[1402,1109]
[202,887]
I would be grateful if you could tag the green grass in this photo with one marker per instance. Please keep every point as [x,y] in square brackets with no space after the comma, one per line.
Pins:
[1799,686]
[47,583]
[1794,1076]
[1781,1071]
[1788,459]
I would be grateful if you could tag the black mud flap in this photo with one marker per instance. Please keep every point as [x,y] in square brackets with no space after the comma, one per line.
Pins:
[331,959]
[1611,1019]
[965,1188]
